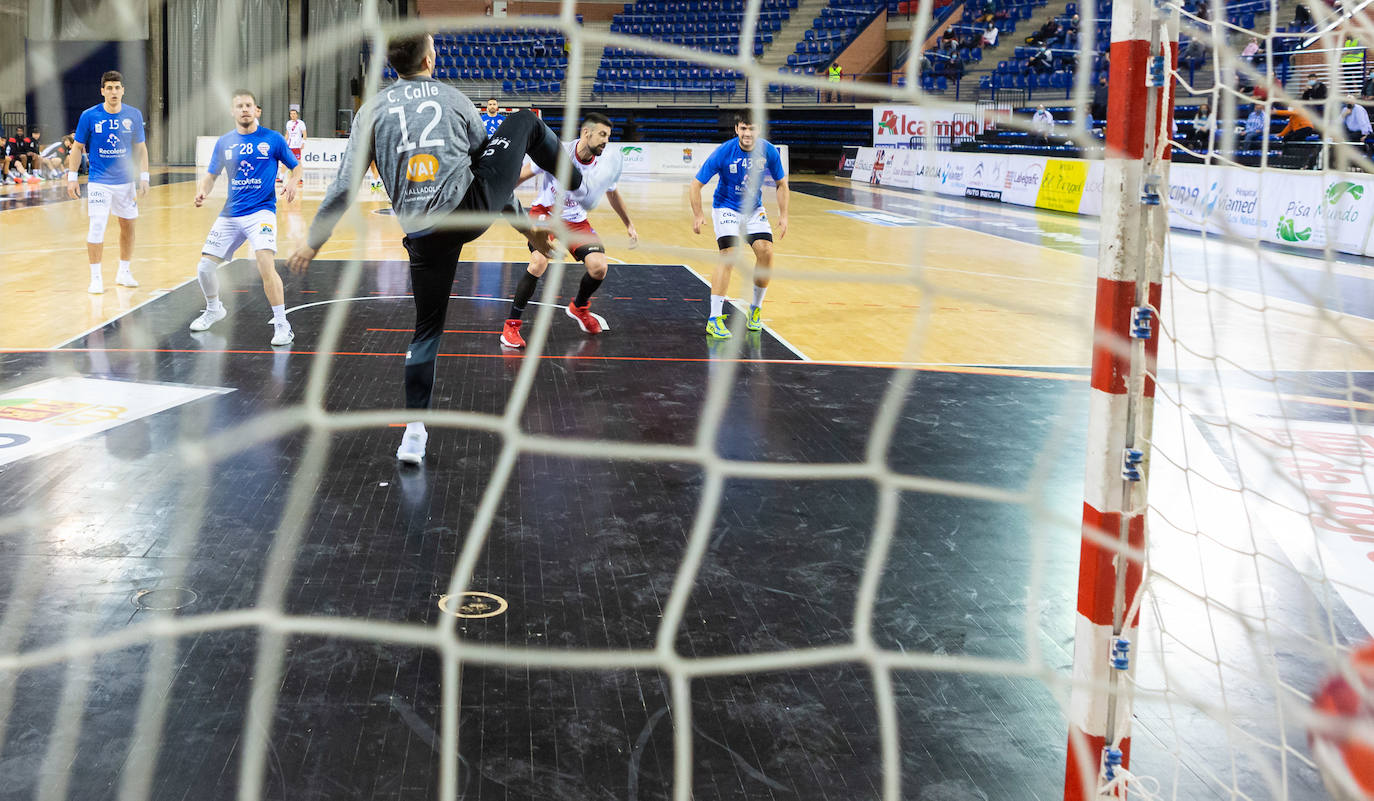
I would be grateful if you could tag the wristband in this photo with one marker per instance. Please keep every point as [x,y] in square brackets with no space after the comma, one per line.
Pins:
[71,175]
[143,176]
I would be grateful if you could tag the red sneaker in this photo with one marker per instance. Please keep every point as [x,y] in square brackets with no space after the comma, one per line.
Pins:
[510,334]
[591,323]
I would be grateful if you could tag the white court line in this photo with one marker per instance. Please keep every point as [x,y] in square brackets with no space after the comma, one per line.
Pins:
[157,295]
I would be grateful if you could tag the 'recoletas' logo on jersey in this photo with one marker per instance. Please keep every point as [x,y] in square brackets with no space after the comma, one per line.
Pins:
[422,167]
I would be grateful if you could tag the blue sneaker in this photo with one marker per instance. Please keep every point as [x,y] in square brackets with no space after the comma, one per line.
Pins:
[716,327]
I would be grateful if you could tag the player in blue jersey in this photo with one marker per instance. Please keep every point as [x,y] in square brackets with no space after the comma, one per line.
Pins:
[249,154]
[492,118]
[734,207]
[112,132]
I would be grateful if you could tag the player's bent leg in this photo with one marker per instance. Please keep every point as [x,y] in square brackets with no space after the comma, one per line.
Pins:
[98,211]
[720,286]
[524,290]
[207,276]
[763,273]
[593,255]
[497,169]
[276,297]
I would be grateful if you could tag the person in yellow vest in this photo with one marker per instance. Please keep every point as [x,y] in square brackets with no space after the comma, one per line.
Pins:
[1351,52]
[834,74]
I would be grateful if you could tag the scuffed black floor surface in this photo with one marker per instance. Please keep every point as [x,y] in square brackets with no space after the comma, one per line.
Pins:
[585,550]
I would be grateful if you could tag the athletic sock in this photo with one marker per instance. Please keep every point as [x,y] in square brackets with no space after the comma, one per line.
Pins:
[759,292]
[524,290]
[207,274]
[279,314]
[717,305]
[95,271]
[586,288]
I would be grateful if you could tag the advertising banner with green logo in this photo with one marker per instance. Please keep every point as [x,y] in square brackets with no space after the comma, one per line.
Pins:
[1292,207]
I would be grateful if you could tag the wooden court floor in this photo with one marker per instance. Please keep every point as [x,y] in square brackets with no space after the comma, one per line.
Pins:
[864,275]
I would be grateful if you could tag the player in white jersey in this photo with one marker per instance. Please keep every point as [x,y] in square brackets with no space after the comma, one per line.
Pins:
[295,132]
[600,175]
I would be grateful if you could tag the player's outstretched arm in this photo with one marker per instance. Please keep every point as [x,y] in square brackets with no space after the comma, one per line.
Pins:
[618,205]
[73,165]
[694,198]
[784,201]
[357,160]
[203,187]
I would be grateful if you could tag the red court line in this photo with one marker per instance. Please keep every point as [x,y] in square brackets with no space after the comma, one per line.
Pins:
[971,370]
[446,331]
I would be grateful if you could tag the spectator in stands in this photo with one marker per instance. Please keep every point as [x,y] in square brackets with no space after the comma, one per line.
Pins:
[1204,11]
[1204,125]
[989,14]
[990,36]
[1046,33]
[1194,54]
[1299,125]
[1042,124]
[1098,109]
[834,74]
[1069,31]
[1043,60]
[1351,51]
[1357,127]
[949,38]
[1316,89]
[1256,129]
[1251,51]
[539,49]
[1302,15]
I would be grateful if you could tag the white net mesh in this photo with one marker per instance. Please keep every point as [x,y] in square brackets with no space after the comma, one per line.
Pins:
[917,644]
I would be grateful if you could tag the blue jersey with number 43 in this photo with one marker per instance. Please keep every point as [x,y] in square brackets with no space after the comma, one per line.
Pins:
[732,162]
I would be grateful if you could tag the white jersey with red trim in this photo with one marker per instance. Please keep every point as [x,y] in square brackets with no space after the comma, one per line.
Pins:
[599,176]
[295,133]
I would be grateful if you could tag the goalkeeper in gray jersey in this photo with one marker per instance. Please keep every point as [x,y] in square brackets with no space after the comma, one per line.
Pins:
[435,160]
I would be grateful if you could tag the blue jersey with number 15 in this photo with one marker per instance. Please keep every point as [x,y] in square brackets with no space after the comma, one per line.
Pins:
[110,139]
[251,161]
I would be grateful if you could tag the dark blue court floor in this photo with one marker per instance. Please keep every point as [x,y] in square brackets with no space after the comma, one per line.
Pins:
[584,549]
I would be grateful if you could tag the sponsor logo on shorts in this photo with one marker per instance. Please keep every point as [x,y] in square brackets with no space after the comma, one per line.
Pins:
[422,167]
[265,229]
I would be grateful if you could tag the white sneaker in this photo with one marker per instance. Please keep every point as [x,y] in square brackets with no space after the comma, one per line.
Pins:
[97,286]
[412,450]
[126,278]
[208,318]
[282,334]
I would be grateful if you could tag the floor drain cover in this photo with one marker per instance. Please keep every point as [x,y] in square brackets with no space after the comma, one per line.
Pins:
[164,600]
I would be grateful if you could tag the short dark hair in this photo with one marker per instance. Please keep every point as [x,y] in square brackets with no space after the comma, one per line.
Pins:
[492,100]
[407,53]
[596,118]
[111,75]
[244,93]
[744,117]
